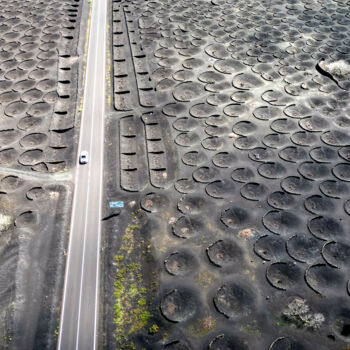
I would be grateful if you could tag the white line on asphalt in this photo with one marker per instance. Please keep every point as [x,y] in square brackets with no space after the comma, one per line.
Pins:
[96,106]
[85,223]
[68,260]
[76,176]
[89,176]
[100,197]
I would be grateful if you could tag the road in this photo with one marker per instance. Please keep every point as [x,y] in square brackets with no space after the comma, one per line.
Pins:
[79,317]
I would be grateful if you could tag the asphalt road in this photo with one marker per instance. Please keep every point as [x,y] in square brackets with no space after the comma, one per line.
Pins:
[79,317]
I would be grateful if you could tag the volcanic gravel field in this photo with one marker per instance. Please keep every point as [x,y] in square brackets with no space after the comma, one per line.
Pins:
[228,140]
[39,65]
[38,83]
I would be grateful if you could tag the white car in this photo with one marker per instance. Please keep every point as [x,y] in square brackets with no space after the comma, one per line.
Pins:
[83,157]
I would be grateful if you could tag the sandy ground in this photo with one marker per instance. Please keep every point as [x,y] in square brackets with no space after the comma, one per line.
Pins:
[228,141]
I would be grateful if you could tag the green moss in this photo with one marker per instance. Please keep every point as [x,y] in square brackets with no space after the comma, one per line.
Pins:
[126,237]
[141,302]
[118,258]
[133,290]
[154,329]
[131,308]
[145,316]
[134,266]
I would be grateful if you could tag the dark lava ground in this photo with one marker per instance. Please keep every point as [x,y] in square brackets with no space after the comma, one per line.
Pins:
[229,143]
[39,66]
[38,83]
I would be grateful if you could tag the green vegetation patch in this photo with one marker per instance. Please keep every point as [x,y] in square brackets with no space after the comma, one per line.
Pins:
[131,291]
[154,329]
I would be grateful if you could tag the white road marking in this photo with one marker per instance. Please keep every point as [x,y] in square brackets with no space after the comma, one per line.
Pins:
[96,48]
[100,202]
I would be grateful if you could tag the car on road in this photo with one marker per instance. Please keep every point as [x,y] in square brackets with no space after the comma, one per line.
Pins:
[83,157]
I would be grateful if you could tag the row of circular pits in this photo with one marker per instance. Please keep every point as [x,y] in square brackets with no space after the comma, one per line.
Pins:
[38,88]
[297,86]
[310,170]
[267,21]
[247,56]
[31,140]
[294,117]
[226,49]
[36,22]
[11,31]
[280,221]
[296,185]
[269,35]
[34,145]
[226,341]
[249,11]
[268,169]
[295,83]
[317,169]
[225,253]
[237,49]
[262,23]
[34,41]
[34,93]
[311,114]
[299,117]
[296,108]
[45,70]
[247,136]
[299,246]
[27,123]
[235,301]
[282,274]
[33,157]
[216,127]
[291,154]
[12,184]
[256,191]
[34,142]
